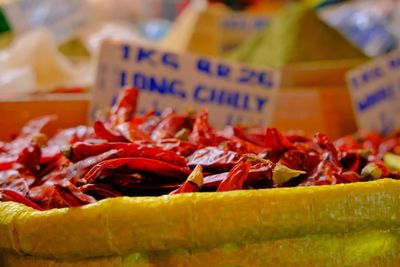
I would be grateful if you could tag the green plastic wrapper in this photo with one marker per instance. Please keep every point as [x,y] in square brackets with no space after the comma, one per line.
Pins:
[341,225]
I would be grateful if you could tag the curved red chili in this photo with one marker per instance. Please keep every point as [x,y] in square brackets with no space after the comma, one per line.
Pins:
[125,107]
[235,178]
[138,165]
[103,132]
[193,183]
[82,150]
[11,195]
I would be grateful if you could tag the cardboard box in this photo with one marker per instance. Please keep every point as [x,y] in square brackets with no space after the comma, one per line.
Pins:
[71,109]
[315,98]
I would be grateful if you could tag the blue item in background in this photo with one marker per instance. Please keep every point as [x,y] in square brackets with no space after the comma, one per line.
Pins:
[363,25]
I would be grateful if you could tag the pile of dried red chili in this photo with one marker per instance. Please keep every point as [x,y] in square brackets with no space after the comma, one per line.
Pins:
[128,155]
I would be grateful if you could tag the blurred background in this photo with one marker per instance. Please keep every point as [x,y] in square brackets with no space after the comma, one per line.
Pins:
[49,50]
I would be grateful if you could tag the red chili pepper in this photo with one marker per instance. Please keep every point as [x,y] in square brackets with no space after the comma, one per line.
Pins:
[180,147]
[236,177]
[61,162]
[79,169]
[101,190]
[325,173]
[7,162]
[390,144]
[323,141]
[347,142]
[28,132]
[169,126]
[260,176]
[47,197]
[80,151]
[102,132]
[131,132]
[138,120]
[255,136]
[202,133]
[149,125]
[137,165]
[11,195]
[295,159]
[13,180]
[214,159]
[347,177]
[296,137]
[72,195]
[11,150]
[369,139]
[49,155]
[193,183]
[242,146]
[276,141]
[59,195]
[71,135]
[125,107]
[30,158]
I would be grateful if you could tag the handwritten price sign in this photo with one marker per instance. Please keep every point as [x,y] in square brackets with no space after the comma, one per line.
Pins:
[232,93]
[375,89]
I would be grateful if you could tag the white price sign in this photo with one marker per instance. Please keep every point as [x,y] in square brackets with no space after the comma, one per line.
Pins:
[232,93]
[375,89]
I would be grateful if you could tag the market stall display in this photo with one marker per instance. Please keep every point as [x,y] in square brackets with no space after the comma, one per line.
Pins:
[258,161]
[124,154]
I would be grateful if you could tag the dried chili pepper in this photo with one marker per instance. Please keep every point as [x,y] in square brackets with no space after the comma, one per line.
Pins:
[139,165]
[30,157]
[276,141]
[131,132]
[323,141]
[241,146]
[81,150]
[7,162]
[255,136]
[125,107]
[13,180]
[152,122]
[259,176]
[100,190]
[72,195]
[214,159]
[102,132]
[28,132]
[79,169]
[59,195]
[169,126]
[193,183]
[11,195]
[236,177]
[180,147]
[202,133]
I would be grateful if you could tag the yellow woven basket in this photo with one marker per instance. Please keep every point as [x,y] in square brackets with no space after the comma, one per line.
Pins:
[341,225]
